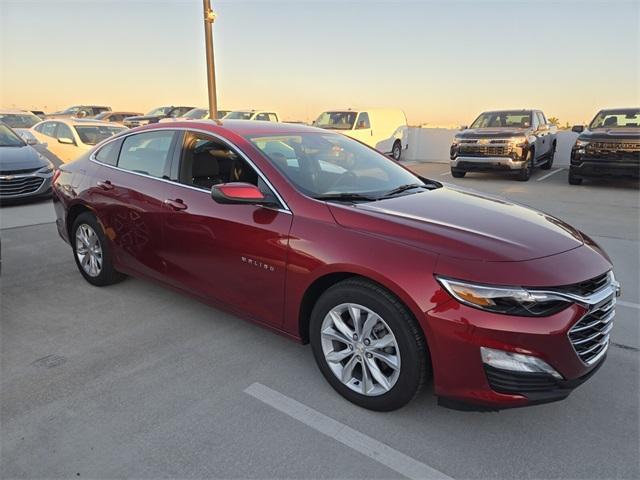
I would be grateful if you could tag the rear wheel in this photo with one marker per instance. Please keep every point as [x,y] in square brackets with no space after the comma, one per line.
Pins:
[91,251]
[396,151]
[458,173]
[573,178]
[368,345]
[525,173]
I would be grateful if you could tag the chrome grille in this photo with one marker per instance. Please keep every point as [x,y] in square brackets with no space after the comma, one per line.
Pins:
[590,335]
[489,150]
[19,185]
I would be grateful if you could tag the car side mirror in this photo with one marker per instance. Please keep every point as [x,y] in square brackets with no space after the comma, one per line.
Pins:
[31,141]
[66,141]
[577,128]
[81,114]
[463,127]
[238,193]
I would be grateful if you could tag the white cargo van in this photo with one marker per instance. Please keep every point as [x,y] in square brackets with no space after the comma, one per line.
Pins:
[384,129]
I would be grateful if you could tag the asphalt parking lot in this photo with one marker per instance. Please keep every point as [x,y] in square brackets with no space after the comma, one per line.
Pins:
[135,380]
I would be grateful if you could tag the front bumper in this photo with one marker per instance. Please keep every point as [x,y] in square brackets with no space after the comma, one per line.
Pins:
[486,164]
[457,332]
[584,167]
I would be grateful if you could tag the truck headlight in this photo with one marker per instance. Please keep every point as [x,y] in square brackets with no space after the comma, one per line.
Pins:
[518,141]
[581,143]
[456,141]
[506,300]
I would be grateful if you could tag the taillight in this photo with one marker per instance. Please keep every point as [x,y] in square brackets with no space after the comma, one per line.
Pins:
[56,174]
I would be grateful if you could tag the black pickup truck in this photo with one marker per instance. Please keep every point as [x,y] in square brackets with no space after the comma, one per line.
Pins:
[508,140]
[609,147]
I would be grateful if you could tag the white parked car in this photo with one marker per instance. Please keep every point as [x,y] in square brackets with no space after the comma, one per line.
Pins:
[194,114]
[69,138]
[265,115]
[384,129]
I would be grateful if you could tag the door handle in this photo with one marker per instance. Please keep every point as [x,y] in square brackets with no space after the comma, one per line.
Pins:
[106,185]
[176,204]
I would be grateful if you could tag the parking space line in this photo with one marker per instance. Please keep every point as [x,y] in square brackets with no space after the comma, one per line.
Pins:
[553,172]
[445,173]
[627,304]
[378,451]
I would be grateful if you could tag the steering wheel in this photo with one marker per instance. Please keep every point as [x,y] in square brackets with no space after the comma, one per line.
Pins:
[344,177]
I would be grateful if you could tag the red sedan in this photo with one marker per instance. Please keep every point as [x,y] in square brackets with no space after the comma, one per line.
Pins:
[391,277]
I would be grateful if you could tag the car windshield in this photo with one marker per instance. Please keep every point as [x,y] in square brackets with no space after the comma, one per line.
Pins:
[331,165]
[71,110]
[19,120]
[616,119]
[93,134]
[196,114]
[8,137]
[505,119]
[238,116]
[159,111]
[336,120]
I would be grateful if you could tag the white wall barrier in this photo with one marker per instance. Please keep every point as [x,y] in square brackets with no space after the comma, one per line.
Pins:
[432,145]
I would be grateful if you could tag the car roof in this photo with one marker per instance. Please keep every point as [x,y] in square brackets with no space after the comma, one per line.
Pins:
[242,127]
[8,111]
[81,121]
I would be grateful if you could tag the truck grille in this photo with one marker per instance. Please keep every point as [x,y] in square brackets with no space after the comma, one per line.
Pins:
[590,335]
[628,151]
[470,150]
[19,185]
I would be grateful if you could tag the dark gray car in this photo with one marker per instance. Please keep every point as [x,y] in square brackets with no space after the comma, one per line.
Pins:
[24,173]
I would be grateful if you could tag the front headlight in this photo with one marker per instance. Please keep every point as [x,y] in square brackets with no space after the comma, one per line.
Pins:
[581,143]
[47,169]
[456,141]
[506,300]
[518,141]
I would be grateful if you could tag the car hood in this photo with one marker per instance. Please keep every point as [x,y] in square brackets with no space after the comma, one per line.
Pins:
[611,134]
[491,132]
[463,224]
[20,158]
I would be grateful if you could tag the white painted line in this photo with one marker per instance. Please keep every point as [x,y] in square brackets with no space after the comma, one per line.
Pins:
[628,304]
[368,446]
[445,173]
[549,174]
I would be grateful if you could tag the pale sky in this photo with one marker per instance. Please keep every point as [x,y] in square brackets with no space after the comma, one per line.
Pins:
[442,62]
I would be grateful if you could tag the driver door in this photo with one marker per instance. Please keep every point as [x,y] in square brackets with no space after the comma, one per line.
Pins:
[362,129]
[231,254]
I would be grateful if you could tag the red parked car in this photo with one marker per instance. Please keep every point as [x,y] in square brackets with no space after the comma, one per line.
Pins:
[391,277]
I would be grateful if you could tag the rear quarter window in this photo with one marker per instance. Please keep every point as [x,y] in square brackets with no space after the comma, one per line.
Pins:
[109,153]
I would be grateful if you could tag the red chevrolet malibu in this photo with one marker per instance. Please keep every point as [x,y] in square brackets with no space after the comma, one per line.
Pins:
[392,278]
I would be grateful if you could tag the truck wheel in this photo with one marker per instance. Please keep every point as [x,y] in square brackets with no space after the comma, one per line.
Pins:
[549,163]
[458,173]
[525,173]
[574,179]
[396,152]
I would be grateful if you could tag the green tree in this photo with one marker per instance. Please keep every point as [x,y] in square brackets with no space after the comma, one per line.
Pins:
[554,121]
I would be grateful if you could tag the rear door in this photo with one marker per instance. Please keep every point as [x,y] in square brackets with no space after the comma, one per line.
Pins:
[543,134]
[130,184]
[232,254]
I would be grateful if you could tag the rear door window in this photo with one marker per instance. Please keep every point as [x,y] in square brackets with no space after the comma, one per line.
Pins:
[109,153]
[64,131]
[47,128]
[147,153]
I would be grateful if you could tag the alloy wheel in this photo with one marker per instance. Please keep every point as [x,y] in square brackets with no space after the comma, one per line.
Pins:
[88,250]
[360,349]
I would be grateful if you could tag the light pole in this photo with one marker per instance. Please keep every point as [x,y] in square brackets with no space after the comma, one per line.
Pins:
[209,18]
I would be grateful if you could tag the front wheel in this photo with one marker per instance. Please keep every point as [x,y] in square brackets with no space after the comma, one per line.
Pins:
[574,179]
[91,251]
[525,172]
[368,345]
[458,173]
[396,151]
[549,163]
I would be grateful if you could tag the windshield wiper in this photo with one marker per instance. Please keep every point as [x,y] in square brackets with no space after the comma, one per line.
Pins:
[346,197]
[404,188]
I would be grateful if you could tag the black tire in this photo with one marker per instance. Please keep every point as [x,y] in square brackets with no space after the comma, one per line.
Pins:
[415,365]
[396,151]
[525,173]
[549,163]
[107,274]
[458,173]
[574,179]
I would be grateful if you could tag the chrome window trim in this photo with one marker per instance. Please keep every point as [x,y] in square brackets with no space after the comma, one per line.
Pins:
[122,136]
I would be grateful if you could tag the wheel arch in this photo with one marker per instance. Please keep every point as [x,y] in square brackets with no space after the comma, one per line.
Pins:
[74,212]
[325,281]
